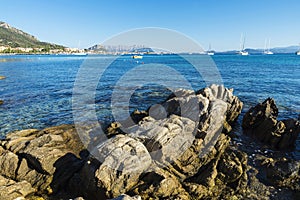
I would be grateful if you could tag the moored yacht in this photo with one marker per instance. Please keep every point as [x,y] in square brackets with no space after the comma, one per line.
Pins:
[210,52]
[267,48]
[243,52]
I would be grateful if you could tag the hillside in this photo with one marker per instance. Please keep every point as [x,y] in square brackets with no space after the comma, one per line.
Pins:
[12,37]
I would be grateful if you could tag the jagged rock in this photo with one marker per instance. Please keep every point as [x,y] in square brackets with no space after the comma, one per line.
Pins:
[283,173]
[195,121]
[261,122]
[165,139]
[114,129]
[12,190]
[17,168]
[234,105]
[223,176]
[46,159]
[158,183]
[123,160]
[174,134]
[231,166]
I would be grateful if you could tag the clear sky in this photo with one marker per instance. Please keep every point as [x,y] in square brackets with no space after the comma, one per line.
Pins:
[83,23]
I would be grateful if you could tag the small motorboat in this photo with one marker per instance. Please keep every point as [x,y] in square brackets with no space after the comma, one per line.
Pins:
[137,56]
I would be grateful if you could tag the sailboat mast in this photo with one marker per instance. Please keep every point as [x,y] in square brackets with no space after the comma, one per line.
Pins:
[241,42]
[265,48]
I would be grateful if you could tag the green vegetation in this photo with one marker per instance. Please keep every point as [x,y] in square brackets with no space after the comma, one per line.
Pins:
[13,38]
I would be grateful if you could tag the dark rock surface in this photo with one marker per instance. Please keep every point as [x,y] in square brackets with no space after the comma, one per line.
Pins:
[178,149]
[261,122]
[41,161]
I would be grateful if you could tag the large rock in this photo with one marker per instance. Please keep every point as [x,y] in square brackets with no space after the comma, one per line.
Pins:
[212,107]
[123,160]
[181,132]
[223,176]
[165,139]
[261,122]
[174,150]
[234,105]
[181,135]
[283,172]
[46,159]
[12,190]
[157,183]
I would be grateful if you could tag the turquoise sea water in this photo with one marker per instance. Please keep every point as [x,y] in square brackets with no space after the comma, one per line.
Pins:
[38,90]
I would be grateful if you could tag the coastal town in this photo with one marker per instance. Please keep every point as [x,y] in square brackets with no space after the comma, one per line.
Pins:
[96,49]
[45,50]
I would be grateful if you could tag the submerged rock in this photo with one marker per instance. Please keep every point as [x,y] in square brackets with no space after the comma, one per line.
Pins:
[1,102]
[261,122]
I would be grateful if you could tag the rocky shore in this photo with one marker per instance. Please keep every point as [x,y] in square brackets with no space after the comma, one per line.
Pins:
[183,148]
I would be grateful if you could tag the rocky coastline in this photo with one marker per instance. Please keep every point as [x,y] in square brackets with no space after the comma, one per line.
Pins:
[183,148]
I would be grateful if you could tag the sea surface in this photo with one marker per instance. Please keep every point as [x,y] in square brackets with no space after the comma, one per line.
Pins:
[37,91]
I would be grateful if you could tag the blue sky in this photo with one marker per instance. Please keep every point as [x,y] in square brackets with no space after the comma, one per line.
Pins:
[78,23]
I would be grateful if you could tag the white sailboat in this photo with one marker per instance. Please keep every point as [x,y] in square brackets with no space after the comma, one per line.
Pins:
[210,52]
[267,48]
[243,52]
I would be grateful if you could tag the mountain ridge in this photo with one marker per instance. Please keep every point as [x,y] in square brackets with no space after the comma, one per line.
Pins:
[13,38]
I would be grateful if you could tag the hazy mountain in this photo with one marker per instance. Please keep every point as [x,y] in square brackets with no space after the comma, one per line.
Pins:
[13,37]
[277,50]
[120,49]
[290,49]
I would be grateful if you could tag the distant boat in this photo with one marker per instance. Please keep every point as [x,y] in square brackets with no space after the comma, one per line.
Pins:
[298,52]
[210,52]
[243,52]
[267,49]
[137,56]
